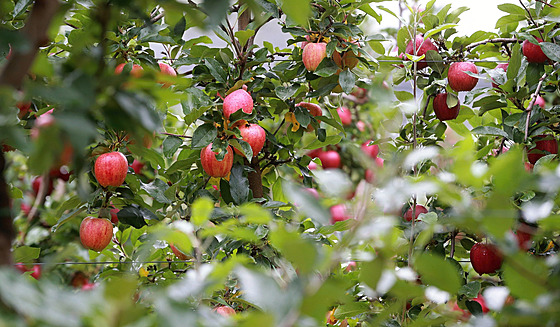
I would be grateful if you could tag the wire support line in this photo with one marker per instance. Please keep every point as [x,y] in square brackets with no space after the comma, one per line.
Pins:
[99,262]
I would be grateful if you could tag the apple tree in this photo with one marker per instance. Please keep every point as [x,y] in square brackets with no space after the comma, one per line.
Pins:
[151,177]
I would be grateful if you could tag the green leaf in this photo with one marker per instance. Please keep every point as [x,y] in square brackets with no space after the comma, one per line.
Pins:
[170,145]
[302,116]
[201,210]
[67,217]
[351,309]
[204,135]
[179,28]
[326,68]
[296,249]
[307,204]
[239,185]
[131,216]
[368,10]
[512,9]
[347,80]
[297,10]
[285,92]
[470,289]
[436,271]
[370,272]
[196,104]
[140,109]
[20,7]
[438,29]
[551,50]
[243,36]
[26,254]
[489,130]
[332,139]
[153,157]
[156,189]
[526,276]
[242,146]
[217,70]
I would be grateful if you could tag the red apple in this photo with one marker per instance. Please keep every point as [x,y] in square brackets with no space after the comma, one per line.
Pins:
[25,208]
[523,235]
[238,99]
[502,66]
[254,135]
[43,121]
[96,233]
[137,166]
[422,46]
[464,314]
[313,54]
[545,144]
[312,166]
[110,169]
[361,126]
[212,166]
[458,79]
[345,116]
[167,70]
[36,185]
[136,70]
[485,258]
[533,52]
[114,215]
[180,255]
[370,150]
[339,213]
[379,162]
[224,310]
[36,270]
[351,266]
[330,159]
[540,102]
[313,108]
[348,59]
[528,167]
[442,111]
[60,173]
[315,153]
[304,43]
[419,210]
[360,92]
[88,286]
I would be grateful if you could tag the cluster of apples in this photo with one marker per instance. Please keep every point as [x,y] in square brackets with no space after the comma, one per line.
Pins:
[253,134]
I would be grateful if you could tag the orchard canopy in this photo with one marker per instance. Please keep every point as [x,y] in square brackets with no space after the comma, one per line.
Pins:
[279,163]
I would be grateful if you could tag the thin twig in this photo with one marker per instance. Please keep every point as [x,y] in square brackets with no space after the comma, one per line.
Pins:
[531,18]
[530,107]
[177,135]
[497,40]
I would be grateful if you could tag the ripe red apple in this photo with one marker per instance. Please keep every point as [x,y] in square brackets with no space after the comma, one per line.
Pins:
[114,215]
[25,208]
[304,43]
[502,66]
[540,102]
[224,310]
[315,153]
[254,135]
[464,314]
[212,166]
[36,185]
[339,213]
[136,70]
[88,286]
[329,159]
[110,169]
[369,175]
[533,52]
[180,255]
[370,150]
[485,258]
[528,167]
[379,162]
[359,93]
[458,79]
[313,54]
[313,108]
[361,126]
[96,233]
[61,173]
[137,166]
[36,270]
[442,111]
[422,46]
[419,210]
[545,144]
[167,70]
[351,266]
[238,99]
[312,166]
[348,59]
[345,116]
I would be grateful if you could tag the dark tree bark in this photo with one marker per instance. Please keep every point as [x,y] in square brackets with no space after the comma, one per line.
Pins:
[13,74]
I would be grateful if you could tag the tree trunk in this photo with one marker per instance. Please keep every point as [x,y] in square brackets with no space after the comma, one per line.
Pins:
[15,70]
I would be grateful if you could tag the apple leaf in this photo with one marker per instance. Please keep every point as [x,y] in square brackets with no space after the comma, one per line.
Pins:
[242,146]
[307,204]
[204,135]
[296,249]
[297,10]
[239,185]
[26,254]
[302,116]
[489,130]
[201,210]
[243,36]
[551,50]
[170,145]
[347,80]
[216,70]
[285,92]
[326,68]
[156,189]
[132,216]
[438,272]
[470,289]
[452,100]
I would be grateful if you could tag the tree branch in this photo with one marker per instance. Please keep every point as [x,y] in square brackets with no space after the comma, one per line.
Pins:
[35,32]
[530,106]
[497,40]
